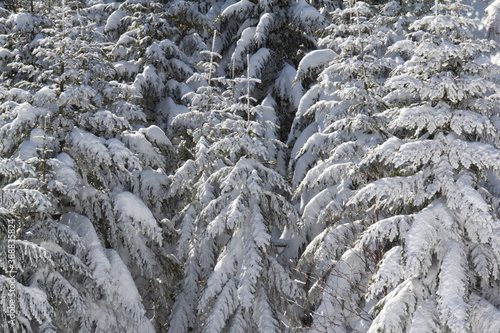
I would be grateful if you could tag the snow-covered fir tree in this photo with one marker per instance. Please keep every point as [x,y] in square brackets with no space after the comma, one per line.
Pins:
[83,176]
[145,49]
[445,158]
[276,35]
[492,21]
[426,226]
[338,121]
[230,229]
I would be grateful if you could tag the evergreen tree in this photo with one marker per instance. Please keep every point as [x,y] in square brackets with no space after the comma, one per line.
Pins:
[145,50]
[427,222]
[276,35]
[231,226]
[85,233]
[340,118]
[492,21]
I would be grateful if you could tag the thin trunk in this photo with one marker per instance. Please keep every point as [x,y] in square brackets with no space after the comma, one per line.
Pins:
[61,85]
[248,88]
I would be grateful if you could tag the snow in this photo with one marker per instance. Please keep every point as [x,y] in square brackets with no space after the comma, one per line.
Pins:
[126,69]
[240,9]
[126,39]
[90,145]
[266,113]
[243,45]
[345,274]
[66,159]
[113,280]
[121,156]
[301,166]
[31,301]
[37,136]
[4,38]
[492,20]
[98,261]
[183,68]
[45,95]
[138,143]
[156,135]
[27,150]
[149,78]
[119,52]
[398,305]
[66,177]
[306,15]
[113,21]
[389,273]
[120,273]
[131,209]
[452,290]
[106,121]
[258,61]
[425,319]
[21,21]
[153,184]
[5,54]
[314,61]
[262,30]
[285,88]
[18,94]
[77,95]
[485,317]
[25,116]
[168,107]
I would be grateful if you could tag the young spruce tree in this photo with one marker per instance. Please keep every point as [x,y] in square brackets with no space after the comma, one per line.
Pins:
[230,228]
[429,237]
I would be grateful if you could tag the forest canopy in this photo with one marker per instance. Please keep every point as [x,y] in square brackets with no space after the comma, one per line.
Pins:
[249,166]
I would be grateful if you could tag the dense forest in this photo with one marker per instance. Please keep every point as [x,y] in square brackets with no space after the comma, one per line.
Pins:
[249,166]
